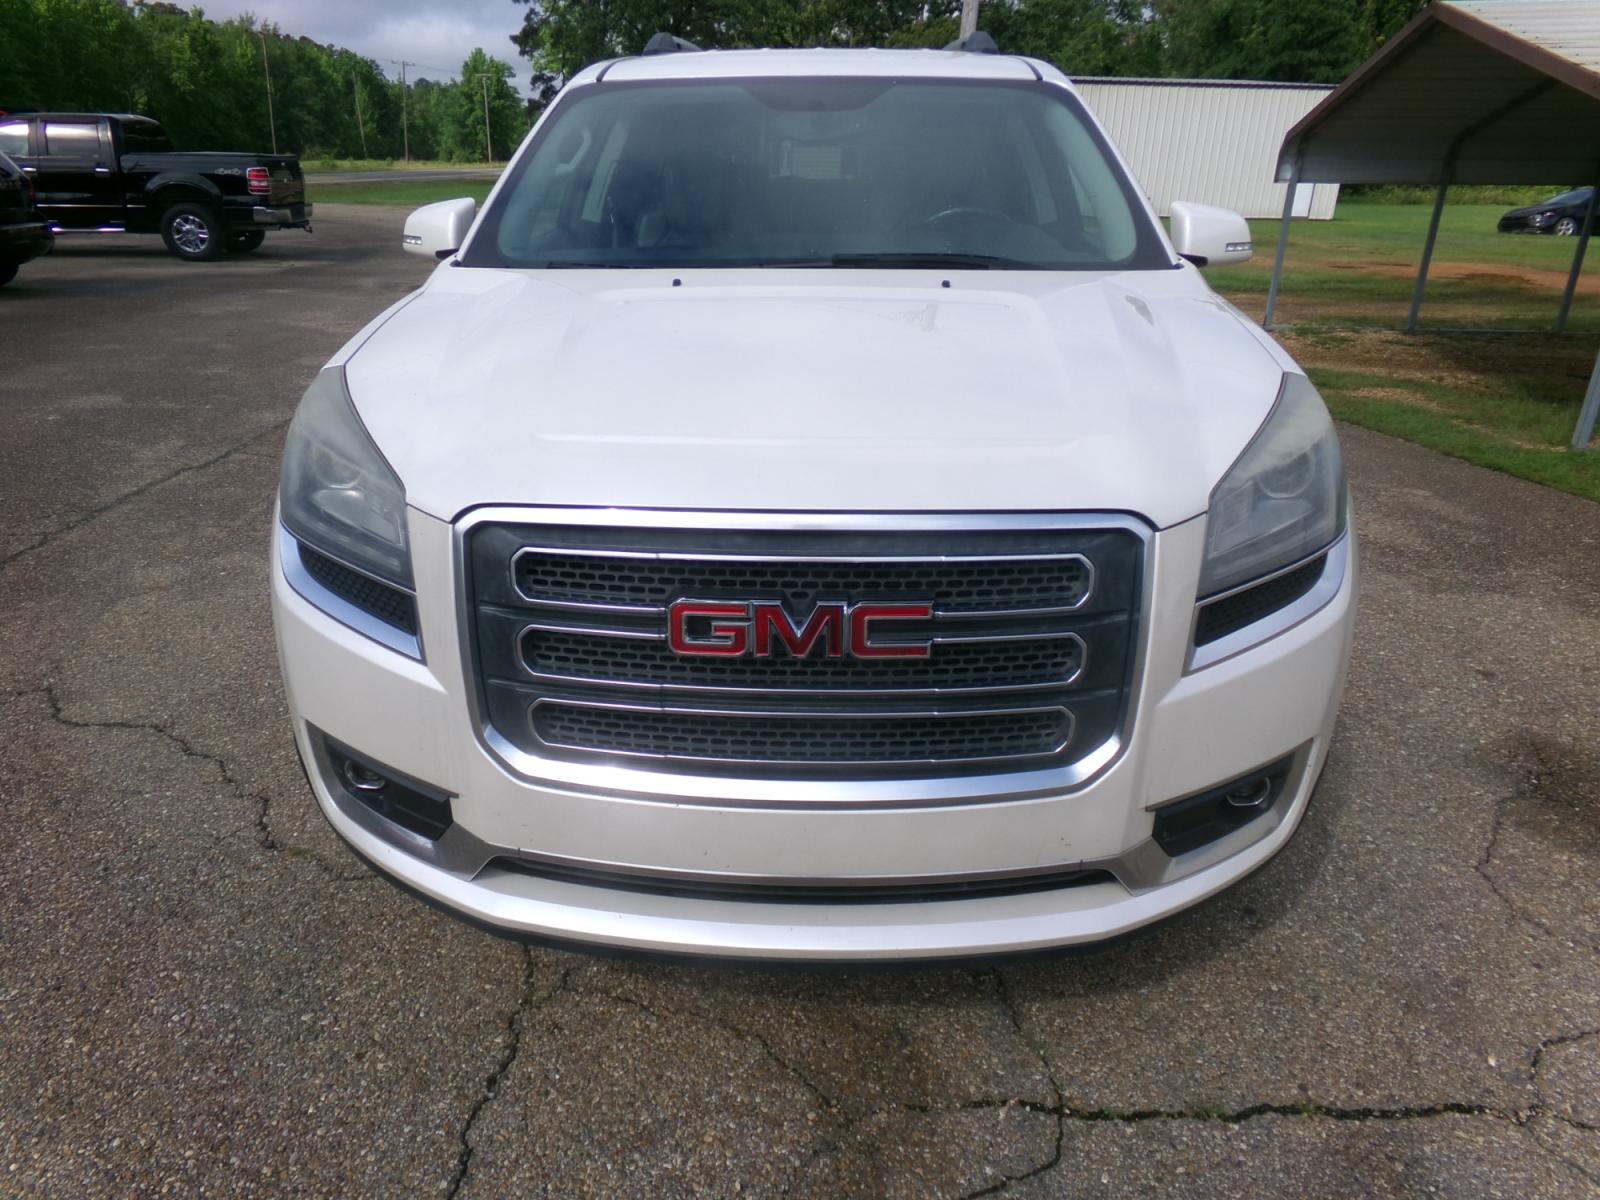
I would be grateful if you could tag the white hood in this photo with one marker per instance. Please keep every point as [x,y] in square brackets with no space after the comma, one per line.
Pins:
[813,391]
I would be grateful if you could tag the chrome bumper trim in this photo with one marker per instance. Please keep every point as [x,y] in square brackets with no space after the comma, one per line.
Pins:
[281,216]
[1140,868]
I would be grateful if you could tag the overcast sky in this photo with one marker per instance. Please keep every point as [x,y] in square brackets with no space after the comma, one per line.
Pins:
[437,34]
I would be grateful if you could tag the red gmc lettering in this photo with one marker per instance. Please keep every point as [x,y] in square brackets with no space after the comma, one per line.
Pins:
[825,624]
[733,629]
[730,628]
[864,616]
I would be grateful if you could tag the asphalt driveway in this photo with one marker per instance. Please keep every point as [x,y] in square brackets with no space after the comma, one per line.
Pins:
[203,994]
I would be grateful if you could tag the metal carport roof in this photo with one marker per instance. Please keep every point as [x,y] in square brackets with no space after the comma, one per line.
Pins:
[1471,91]
[1494,91]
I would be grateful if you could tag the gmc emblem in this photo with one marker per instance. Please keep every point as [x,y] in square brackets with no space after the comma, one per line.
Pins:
[732,629]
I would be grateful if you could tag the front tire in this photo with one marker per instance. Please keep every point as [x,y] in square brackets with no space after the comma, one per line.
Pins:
[245,241]
[8,272]
[1566,227]
[192,232]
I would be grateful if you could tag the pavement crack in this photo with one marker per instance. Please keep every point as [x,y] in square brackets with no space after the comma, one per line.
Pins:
[716,1022]
[100,510]
[1487,857]
[1531,783]
[512,1032]
[1542,1107]
[261,825]
[1319,1111]
[1057,1110]
[1224,1116]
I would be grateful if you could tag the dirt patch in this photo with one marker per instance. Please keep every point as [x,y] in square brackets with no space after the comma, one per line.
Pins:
[1474,363]
[1397,395]
[1485,274]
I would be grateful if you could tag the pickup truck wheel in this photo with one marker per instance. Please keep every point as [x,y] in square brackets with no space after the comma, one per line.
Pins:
[246,241]
[8,272]
[192,231]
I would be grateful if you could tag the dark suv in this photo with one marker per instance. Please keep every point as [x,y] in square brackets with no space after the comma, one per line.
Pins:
[23,232]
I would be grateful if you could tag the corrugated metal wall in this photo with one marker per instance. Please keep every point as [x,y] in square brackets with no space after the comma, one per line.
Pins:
[1210,142]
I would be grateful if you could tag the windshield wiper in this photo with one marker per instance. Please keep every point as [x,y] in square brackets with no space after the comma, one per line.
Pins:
[929,258]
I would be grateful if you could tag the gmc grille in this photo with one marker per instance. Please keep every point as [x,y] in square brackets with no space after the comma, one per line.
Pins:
[1032,646]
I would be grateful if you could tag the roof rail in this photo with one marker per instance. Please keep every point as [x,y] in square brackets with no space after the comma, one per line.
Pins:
[974,43]
[666,43]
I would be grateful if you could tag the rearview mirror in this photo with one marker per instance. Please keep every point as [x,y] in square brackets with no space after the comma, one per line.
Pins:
[436,231]
[1210,237]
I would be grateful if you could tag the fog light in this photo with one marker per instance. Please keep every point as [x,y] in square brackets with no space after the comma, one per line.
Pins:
[408,803]
[1254,794]
[1196,821]
[361,778]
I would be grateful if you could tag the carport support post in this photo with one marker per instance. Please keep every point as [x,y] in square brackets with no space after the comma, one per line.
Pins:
[1283,243]
[1577,261]
[1427,252]
[1582,436]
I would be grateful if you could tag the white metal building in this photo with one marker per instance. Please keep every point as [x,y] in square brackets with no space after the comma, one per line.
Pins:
[1212,141]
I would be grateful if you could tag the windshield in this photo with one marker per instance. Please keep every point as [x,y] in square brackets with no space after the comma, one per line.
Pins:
[1581,196]
[824,172]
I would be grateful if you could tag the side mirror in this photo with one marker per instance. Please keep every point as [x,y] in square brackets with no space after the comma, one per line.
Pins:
[436,231]
[1210,237]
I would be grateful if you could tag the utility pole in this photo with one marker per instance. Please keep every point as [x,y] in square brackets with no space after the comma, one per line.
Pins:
[272,122]
[488,147]
[356,88]
[483,77]
[969,17]
[405,125]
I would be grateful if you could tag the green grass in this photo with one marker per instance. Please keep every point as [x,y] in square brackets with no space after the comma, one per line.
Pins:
[1515,196]
[403,194]
[328,166]
[1359,268]
[1520,435]
[1505,402]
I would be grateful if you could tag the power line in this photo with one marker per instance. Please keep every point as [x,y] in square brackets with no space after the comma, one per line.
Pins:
[452,72]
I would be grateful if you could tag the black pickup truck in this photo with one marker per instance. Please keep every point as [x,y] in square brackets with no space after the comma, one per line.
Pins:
[118,173]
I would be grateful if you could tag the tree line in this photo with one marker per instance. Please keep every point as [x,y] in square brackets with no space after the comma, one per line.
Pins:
[1296,41]
[207,82]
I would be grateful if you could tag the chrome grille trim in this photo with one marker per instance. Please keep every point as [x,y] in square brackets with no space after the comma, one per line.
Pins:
[805,715]
[954,560]
[1065,681]
[640,781]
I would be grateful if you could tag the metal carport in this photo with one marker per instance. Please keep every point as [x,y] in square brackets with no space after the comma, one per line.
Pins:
[1471,91]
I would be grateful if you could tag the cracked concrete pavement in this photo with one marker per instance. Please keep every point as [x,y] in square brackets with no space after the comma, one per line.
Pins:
[203,994]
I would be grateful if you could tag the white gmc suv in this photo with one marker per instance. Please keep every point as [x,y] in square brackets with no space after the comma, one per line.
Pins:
[813,511]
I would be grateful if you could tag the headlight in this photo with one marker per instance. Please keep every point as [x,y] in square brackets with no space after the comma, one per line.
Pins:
[1283,500]
[337,492]
[1543,218]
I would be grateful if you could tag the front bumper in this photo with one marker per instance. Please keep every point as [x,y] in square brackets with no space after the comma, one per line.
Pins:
[1269,702]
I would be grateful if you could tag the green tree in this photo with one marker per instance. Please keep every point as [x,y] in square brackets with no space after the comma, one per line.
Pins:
[206,80]
[1297,41]
[1082,37]
[561,37]
[484,94]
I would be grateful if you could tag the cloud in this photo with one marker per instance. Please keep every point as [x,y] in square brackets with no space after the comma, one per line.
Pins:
[435,36]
